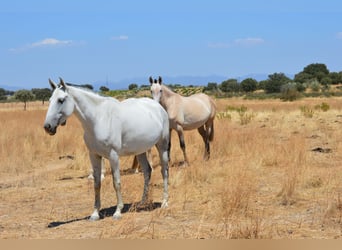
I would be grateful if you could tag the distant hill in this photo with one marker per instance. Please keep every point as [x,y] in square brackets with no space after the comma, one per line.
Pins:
[10,88]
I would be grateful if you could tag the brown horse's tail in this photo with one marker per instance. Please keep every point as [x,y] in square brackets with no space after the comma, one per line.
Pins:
[211,135]
[213,114]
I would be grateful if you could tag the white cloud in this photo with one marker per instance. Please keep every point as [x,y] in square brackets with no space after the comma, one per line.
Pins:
[47,42]
[250,41]
[50,42]
[240,42]
[121,37]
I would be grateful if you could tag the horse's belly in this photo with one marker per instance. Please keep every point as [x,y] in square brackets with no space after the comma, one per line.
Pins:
[136,147]
[192,121]
[193,125]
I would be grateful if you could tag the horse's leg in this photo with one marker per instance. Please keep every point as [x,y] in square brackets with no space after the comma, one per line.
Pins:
[169,146]
[146,168]
[182,143]
[103,171]
[114,164]
[164,161]
[149,158]
[96,165]
[135,165]
[205,137]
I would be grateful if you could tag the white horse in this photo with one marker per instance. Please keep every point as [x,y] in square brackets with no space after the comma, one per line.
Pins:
[112,129]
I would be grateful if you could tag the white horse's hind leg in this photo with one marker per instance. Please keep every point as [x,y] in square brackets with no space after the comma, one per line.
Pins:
[114,164]
[146,168]
[164,161]
[96,164]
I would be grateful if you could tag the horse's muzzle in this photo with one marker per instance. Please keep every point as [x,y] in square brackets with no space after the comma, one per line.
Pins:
[49,129]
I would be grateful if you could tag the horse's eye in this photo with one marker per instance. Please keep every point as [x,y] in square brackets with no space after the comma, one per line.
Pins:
[161,91]
[61,100]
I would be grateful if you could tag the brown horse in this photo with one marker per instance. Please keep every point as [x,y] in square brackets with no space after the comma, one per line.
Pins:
[186,113]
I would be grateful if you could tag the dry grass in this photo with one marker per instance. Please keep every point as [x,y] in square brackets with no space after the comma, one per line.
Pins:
[263,179]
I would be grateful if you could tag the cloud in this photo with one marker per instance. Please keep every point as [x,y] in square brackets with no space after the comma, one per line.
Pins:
[240,42]
[119,38]
[47,42]
[50,42]
[250,41]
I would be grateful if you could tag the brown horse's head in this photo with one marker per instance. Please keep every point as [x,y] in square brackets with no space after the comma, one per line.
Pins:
[156,88]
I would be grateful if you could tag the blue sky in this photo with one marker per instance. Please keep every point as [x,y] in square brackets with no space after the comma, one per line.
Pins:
[86,41]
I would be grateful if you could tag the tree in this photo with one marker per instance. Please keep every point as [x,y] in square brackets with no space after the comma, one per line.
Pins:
[211,86]
[132,86]
[104,89]
[2,94]
[230,85]
[336,77]
[317,70]
[42,94]
[312,71]
[275,81]
[303,77]
[24,96]
[249,85]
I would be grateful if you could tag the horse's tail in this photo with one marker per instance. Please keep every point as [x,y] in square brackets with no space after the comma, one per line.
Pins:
[211,132]
[211,129]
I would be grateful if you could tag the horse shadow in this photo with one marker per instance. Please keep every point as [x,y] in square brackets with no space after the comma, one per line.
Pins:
[108,212]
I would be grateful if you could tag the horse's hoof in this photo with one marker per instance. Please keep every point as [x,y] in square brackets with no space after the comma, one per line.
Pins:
[117,216]
[164,204]
[94,218]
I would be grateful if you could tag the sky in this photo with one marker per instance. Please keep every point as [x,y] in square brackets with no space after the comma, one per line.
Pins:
[86,41]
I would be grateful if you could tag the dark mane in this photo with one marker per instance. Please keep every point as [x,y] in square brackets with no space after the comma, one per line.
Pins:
[85,87]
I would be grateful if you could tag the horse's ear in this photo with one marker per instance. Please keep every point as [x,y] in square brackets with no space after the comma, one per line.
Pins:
[151,80]
[160,80]
[62,83]
[53,85]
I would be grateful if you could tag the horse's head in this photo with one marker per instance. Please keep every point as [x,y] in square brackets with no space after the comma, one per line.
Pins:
[156,88]
[60,108]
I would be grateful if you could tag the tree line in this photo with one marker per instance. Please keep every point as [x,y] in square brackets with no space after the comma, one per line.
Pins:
[315,76]
[35,94]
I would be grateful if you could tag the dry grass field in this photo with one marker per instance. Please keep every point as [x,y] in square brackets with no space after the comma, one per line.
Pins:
[275,173]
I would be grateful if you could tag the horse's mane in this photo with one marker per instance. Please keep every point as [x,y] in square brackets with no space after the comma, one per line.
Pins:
[85,88]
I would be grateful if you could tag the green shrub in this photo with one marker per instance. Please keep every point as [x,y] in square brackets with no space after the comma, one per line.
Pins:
[323,107]
[307,111]
[289,92]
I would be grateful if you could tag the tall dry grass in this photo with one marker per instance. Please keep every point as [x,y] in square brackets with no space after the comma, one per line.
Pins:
[263,179]
[25,147]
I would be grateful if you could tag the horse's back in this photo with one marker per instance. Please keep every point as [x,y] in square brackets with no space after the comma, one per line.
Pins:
[145,108]
[144,123]
[196,110]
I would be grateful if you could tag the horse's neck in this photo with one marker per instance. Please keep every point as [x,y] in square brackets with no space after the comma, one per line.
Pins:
[86,105]
[167,96]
